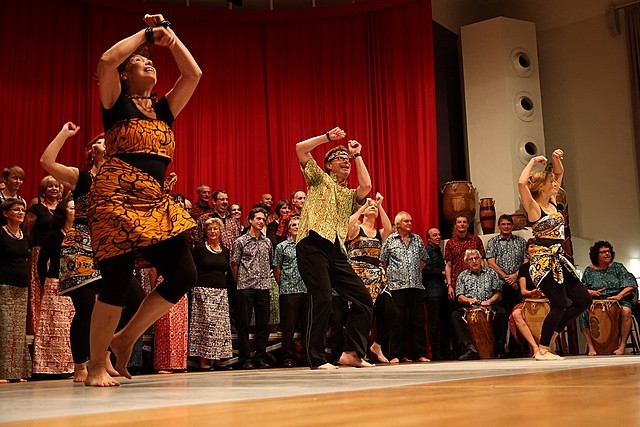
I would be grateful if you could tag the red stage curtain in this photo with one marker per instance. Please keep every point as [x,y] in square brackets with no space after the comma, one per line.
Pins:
[270,80]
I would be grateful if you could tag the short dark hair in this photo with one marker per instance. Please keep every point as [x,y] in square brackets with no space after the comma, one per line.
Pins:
[462,215]
[12,170]
[217,193]
[281,204]
[595,250]
[6,206]
[253,212]
[505,217]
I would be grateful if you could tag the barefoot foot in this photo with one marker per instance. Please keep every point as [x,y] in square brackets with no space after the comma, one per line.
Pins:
[377,350]
[122,351]
[592,352]
[110,369]
[394,361]
[326,367]
[98,377]
[423,359]
[80,372]
[352,359]
[620,350]
[547,355]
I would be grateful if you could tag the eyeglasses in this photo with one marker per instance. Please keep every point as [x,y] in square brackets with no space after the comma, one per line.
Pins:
[341,158]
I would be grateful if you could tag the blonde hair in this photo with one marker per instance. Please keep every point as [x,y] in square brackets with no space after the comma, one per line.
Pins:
[537,180]
[45,183]
[216,221]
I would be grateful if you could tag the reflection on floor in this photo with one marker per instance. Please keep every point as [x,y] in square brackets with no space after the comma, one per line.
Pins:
[49,399]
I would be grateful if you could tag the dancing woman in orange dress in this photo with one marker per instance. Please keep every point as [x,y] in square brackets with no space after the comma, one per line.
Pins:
[131,213]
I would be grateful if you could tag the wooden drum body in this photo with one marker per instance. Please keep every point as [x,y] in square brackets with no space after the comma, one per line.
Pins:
[487,215]
[534,311]
[458,197]
[480,324]
[604,324]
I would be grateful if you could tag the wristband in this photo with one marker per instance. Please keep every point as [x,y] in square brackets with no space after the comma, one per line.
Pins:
[148,34]
[357,155]
[165,24]
[328,137]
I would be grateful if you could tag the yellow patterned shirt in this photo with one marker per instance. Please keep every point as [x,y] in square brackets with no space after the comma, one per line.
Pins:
[327,207]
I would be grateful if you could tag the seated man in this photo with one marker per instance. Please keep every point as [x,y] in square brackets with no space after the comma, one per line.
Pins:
[605,279]
[478,286]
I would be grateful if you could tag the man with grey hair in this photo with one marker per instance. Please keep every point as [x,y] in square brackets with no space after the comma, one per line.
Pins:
[479,286]
[405,255]
[202,206]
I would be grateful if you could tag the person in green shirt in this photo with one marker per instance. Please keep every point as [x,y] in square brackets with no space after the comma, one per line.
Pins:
[320,246]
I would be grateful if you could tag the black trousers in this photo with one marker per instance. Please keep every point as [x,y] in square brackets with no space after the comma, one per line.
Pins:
[172,258]
[337,320]
[560,315]
[293,311]
[500,325]
[410,323]
[438,328]
[83,299]
[386,313]
[323,266]
[253,301]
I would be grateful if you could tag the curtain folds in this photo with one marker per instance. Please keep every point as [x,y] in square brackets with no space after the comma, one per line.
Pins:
[267,84]
[632,20]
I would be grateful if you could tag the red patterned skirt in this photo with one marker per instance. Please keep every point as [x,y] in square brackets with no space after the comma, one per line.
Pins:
[51,344]
[171,341]
[35,292]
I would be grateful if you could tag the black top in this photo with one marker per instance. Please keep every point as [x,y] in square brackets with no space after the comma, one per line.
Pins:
[13,260]
[213,269]
[272,229]
[44,219]
[523,271]
[50,255]
[125,109]
[81,196]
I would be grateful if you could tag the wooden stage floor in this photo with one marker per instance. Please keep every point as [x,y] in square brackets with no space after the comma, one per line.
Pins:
[518,392]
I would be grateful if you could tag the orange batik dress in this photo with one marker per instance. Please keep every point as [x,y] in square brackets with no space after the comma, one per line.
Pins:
[129,208]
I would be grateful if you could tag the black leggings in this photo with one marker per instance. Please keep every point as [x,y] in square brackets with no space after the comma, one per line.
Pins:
[561,315]
[84,299]
[172,258]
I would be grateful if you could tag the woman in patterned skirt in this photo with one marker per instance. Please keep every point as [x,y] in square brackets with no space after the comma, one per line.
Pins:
[15,362]
[131,212]
[36,226]
[209,325]
[365,242]
[51,346]
[551,271]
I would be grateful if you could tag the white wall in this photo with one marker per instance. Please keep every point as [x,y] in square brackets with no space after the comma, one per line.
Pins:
[586,106]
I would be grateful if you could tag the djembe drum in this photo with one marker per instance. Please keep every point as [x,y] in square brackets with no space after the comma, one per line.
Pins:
[604,324]
[534,311]
[479,321]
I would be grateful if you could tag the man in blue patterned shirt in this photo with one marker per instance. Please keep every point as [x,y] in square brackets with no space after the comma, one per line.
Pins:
[505,254]
[405,255]
[478,286]
[293,292]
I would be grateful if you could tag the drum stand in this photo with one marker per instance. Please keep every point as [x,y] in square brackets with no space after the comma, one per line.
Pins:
[634,335]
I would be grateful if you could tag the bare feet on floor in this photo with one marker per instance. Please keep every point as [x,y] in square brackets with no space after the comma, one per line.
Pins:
[591,352]
[122,351]
[98,377]
[4,381]
[352,359]
[394,360]
[327,367]
[423,359]
[377,350]
[545,354]
[110,369]
[620,350]
[80,372]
